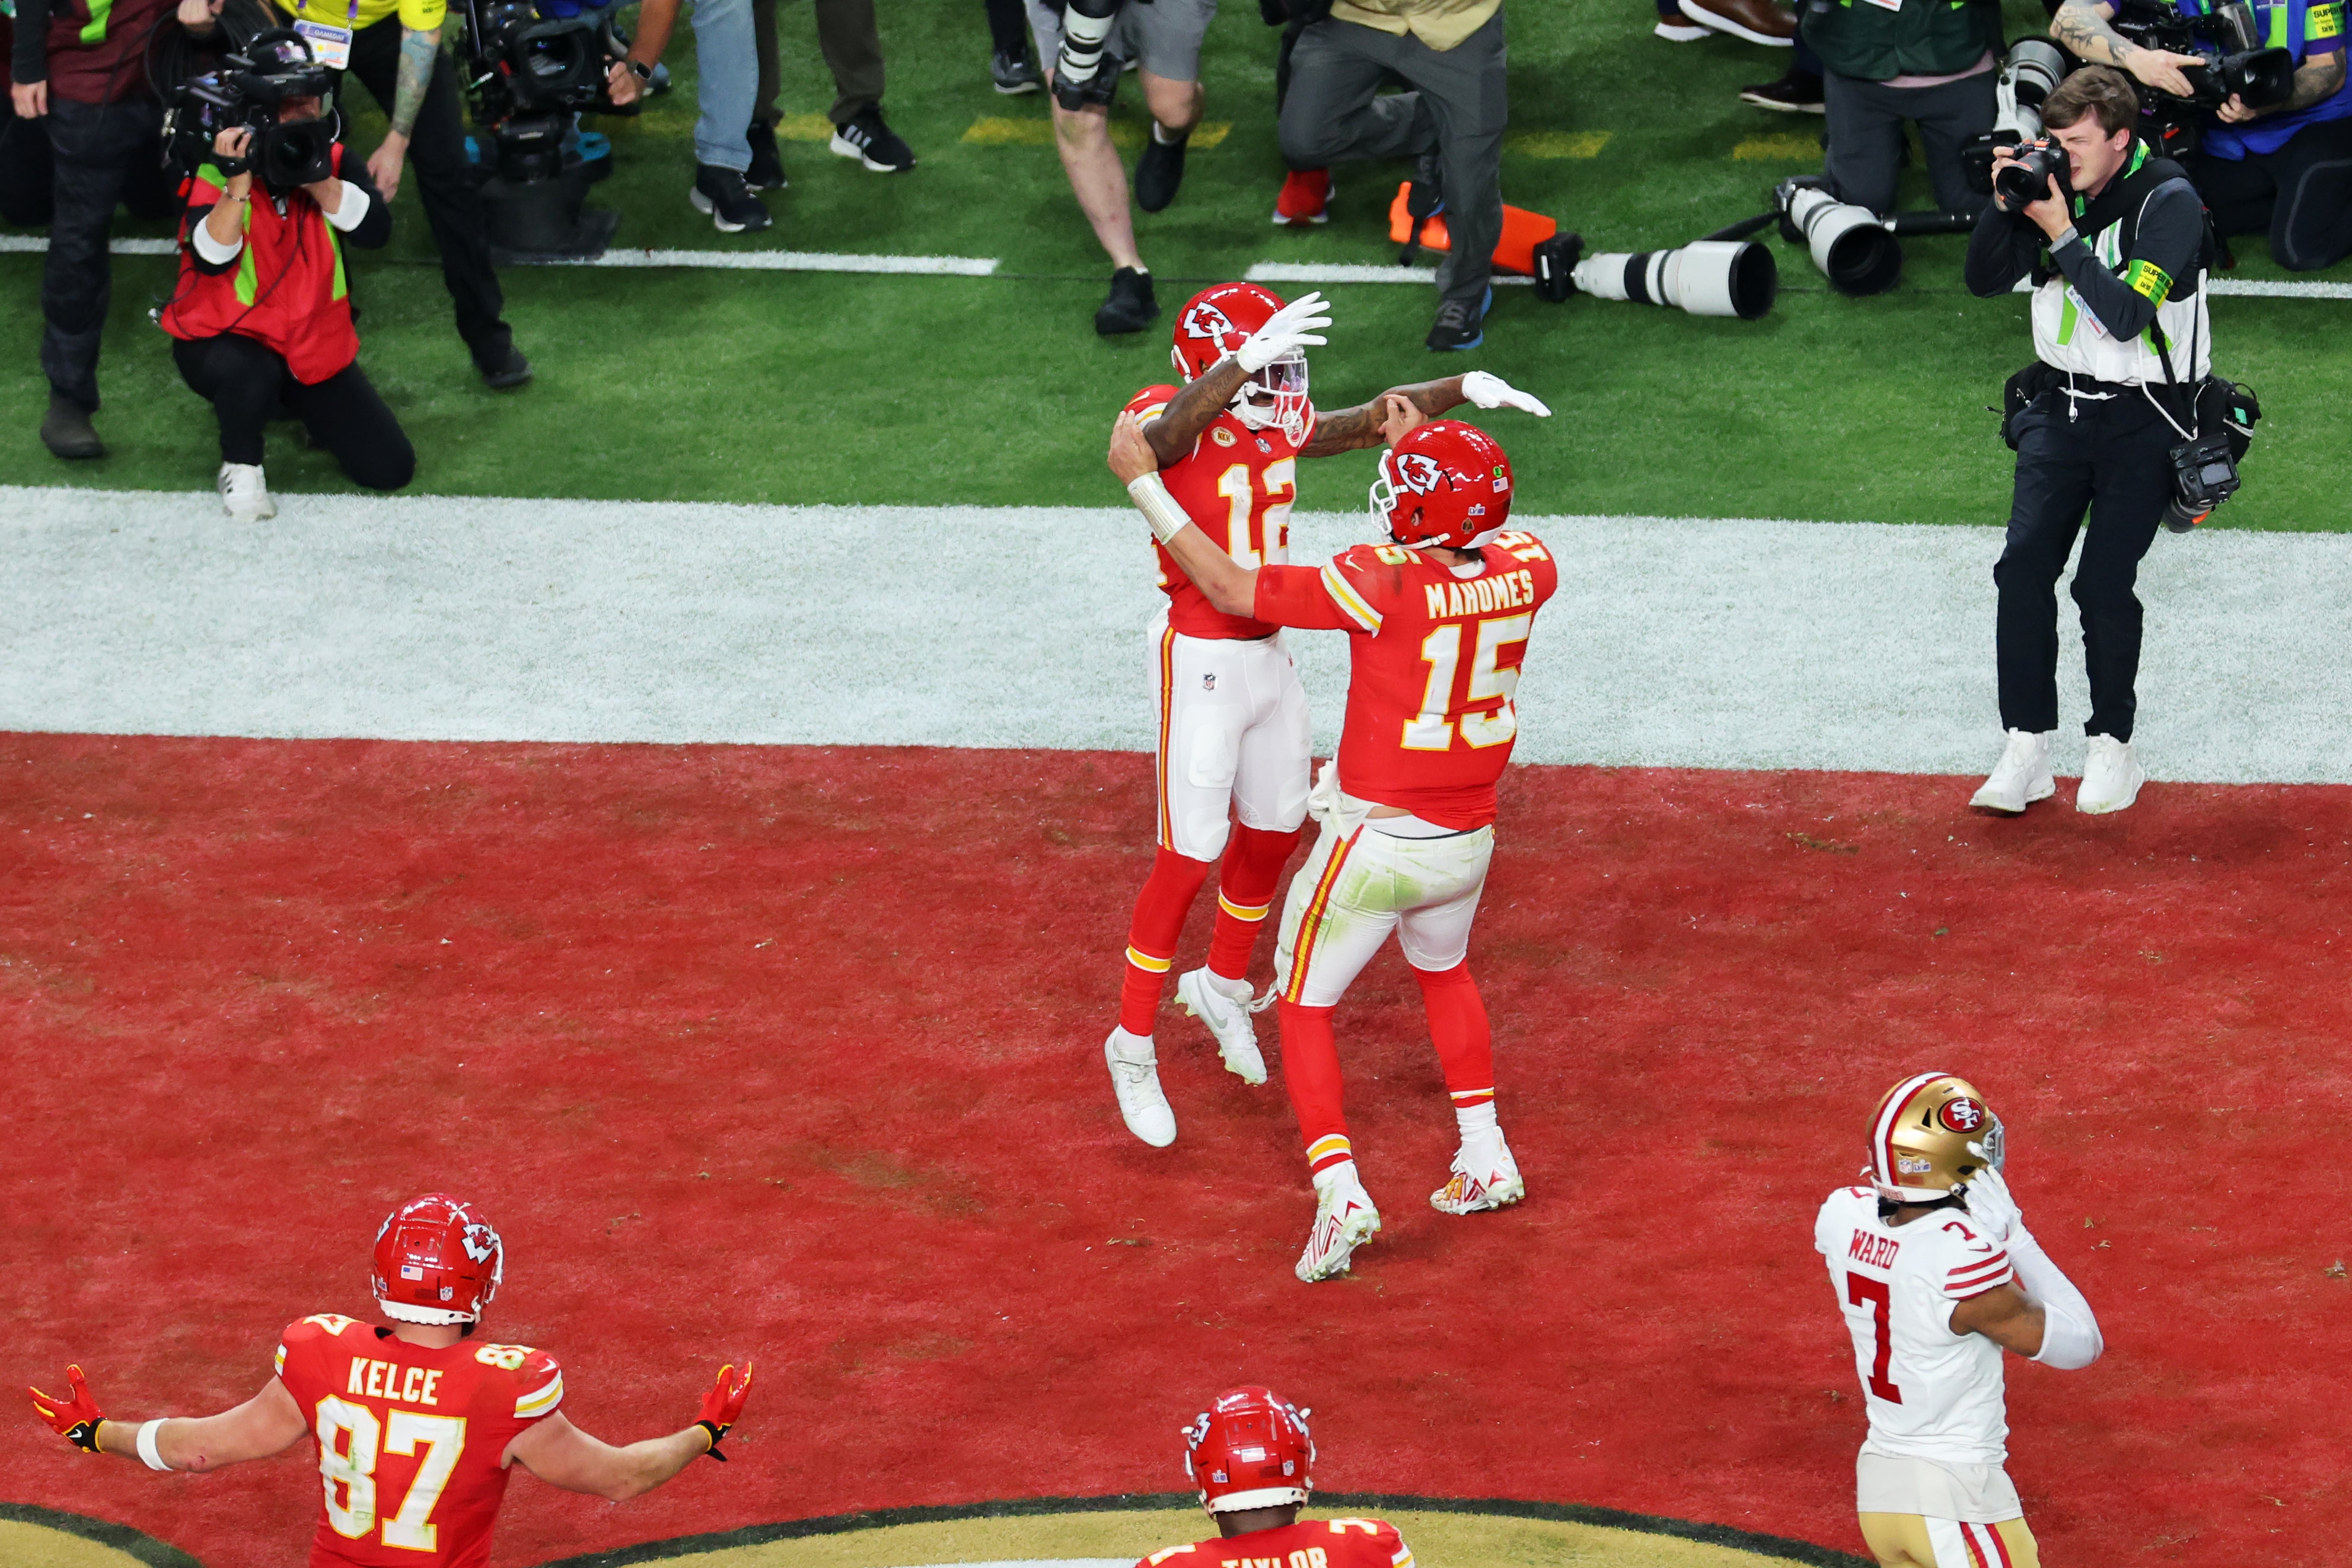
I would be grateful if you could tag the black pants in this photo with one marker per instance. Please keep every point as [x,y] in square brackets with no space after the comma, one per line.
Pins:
[2301,195]
[97,151]
[245,381]
[851,42]
[446,184]
[2111,459]
[25,162]
[1866,132]
[1008,29]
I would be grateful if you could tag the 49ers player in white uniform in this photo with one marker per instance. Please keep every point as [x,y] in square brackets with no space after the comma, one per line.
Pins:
[1937,1275]
[1231,737]
[1439,618]
[415,1426]
[1250,1457]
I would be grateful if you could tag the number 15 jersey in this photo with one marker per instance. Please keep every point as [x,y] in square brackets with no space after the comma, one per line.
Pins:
[410,1439]
[1237,485]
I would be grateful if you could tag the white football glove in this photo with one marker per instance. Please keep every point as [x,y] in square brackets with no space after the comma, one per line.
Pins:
[1493,391]
[1991,1204]
[1292,327]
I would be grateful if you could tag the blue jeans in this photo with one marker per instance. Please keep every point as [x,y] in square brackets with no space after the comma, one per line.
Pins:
[727,66]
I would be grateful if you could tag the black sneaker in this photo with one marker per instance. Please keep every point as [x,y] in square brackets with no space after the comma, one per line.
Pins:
[1460,325]
[872,143]
[1130,306]
[504,367]
[1159,171]
[66,432]
[1013,75]
[1799,92]
[767,170]
[723,193]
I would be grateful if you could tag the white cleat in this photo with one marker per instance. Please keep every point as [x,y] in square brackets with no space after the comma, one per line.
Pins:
[2111,777]
[2021,776]
[1209,997]
[243,495]
[1344,1220]
[1135,1078]
[1485,1176]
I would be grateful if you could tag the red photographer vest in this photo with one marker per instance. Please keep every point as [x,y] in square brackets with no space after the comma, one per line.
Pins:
[285,290]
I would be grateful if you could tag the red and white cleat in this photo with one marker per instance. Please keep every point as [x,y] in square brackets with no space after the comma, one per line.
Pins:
[1306,198]
[1485,1176]
[1344,1220]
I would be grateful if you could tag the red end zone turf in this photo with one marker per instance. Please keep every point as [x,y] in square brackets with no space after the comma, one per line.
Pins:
[797,1052]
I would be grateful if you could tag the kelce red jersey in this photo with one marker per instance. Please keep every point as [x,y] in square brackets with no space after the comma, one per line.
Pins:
[410,1439]
[1434,665]
[1309,1543]
[1236,486]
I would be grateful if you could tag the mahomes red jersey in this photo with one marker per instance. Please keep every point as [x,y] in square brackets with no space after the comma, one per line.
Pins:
[1309,1543]
[410,1439]
[1434,666]
[1236,486]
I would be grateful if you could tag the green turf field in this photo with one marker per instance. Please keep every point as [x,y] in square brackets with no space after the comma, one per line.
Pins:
[719,385]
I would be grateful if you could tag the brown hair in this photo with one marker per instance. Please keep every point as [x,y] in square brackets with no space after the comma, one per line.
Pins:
[2100,90]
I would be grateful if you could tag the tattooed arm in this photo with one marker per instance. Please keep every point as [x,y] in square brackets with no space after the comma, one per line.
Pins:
[420,48]
[1190,412]
[1350,428]
[2083,28]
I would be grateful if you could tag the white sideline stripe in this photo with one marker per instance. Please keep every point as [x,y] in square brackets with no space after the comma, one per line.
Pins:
[1040,1562]
[1313,272]
[38,244]
[627,255]
[1672,642]
[2247,288]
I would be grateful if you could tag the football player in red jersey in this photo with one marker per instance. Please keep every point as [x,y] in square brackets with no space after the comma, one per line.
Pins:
[1439,620]
[1250,1455]
[1231,740]
[416,1425]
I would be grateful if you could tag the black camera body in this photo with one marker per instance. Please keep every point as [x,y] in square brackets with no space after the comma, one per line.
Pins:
[246,92]
[2020,185]
[2262,77]
[2205,469]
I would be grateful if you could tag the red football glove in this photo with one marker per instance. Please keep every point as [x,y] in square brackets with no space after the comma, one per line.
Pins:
[723,1405]
[76,1419]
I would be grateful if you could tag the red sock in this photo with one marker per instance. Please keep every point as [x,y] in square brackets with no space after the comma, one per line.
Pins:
[1458,1028]
[1160,911]
[1245,884]
[1310,1070]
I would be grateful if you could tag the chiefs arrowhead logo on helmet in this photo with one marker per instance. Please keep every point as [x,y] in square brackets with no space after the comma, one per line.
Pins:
[1419,473]
[432,1250]
[1446,483]
[1203,319]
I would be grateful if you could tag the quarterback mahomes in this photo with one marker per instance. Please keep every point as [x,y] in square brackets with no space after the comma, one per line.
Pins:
[1249,1454]
[1937,1275]
[415,1422]
[1230,730]
[1438,618]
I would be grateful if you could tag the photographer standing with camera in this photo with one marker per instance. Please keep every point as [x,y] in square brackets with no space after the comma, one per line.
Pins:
[2282,168]
[262,314]
[2114,240]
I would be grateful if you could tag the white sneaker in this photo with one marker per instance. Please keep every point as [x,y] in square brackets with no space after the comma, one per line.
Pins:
[1225,1006]
[242,493]
[2021,776]
[1681,32]
[1135,1078]
[1344,1220]
[2111,777]
[1485,1177]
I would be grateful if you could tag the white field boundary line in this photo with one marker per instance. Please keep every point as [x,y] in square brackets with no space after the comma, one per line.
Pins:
[1674,642]
[988,266]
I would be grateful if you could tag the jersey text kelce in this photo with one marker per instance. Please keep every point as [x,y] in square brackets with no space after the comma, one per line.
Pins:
[1931,1393]
[1237,485]
[410,1438]
[1433,668]
[1309,1543]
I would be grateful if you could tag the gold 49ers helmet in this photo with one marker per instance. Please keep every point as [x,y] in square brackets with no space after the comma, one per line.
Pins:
[1932,1134]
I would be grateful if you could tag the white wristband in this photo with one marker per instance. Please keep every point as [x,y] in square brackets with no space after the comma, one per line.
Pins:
[1159,508]
[148,1453]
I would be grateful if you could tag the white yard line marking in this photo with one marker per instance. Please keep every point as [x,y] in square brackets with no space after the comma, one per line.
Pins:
[1335,272]
[1672,642]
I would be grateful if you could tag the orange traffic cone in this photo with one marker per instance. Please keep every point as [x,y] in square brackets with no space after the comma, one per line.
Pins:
[1515,252]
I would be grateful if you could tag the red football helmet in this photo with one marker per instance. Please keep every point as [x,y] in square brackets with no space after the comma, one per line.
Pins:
[1215,322]
[1445,483]
[1249,1450]
[437,1261]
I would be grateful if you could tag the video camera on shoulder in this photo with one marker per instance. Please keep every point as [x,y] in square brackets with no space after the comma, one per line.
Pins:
[254,87]
[2235,64]
[539,56]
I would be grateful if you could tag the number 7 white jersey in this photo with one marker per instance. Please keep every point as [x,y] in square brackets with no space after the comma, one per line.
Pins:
[1931,1393]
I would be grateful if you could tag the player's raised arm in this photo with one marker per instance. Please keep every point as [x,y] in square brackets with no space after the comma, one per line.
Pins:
[1288,331]
[562,1455]
[264,1424]
[2049,1319]
[1229,586]
[1364,425]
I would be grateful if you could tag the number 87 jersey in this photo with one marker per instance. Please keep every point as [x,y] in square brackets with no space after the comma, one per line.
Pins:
[412,1439]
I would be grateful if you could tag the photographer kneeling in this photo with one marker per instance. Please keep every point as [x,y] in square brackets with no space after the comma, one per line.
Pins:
[261,312]
[2121,338]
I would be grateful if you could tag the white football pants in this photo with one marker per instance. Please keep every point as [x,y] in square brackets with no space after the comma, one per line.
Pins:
[1233,739]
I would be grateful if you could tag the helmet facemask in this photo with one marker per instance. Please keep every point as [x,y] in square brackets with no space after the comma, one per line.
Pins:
[1275,398]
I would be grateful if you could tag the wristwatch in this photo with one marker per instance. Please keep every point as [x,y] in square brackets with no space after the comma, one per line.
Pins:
[639,69]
